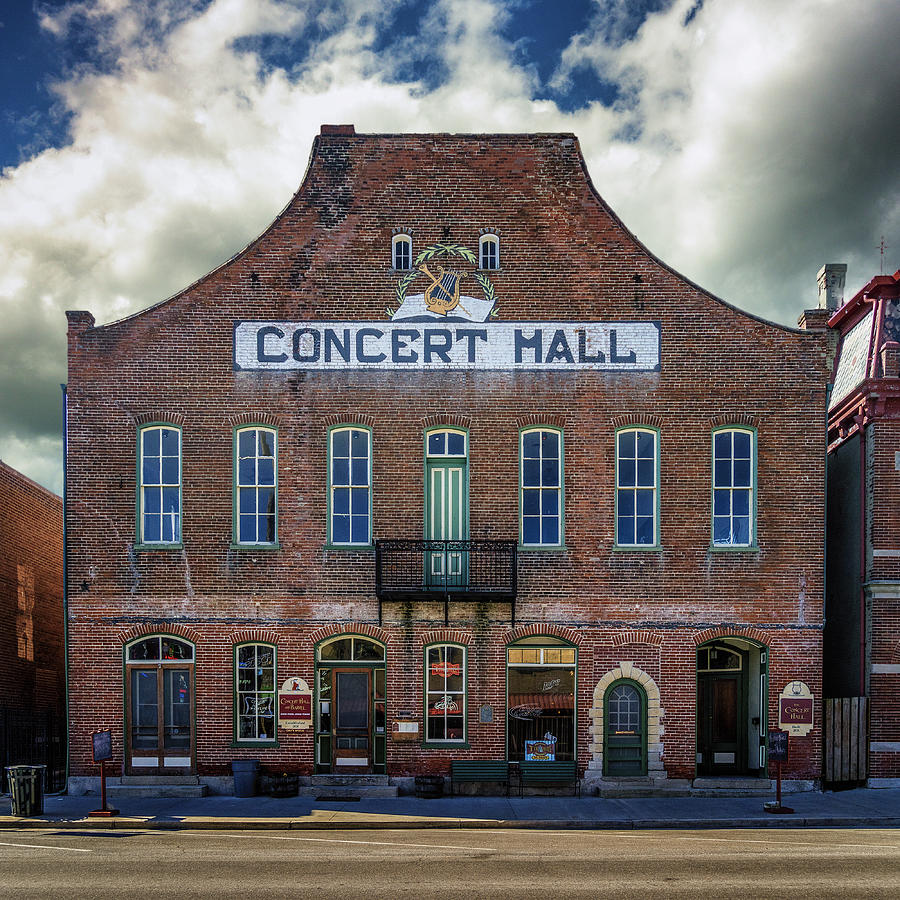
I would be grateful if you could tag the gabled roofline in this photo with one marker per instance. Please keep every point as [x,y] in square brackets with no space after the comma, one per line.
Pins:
[879,286]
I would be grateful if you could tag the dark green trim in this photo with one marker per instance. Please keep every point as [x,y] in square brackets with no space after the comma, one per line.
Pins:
[737,548]
[255,742]
[642,693]
[346,426]
[429,462]
[139,531]
[464,743]
[547,548]
[561,544]
[657,524]
[363,548]
[754,435]
[446,745]
[236,544]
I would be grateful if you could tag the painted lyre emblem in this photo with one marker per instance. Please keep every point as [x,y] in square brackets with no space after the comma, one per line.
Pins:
[442,299]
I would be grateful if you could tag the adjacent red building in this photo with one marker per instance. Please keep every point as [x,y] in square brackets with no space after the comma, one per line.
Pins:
[444,465]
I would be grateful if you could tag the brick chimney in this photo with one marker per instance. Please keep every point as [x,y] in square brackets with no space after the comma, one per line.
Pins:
[831,280]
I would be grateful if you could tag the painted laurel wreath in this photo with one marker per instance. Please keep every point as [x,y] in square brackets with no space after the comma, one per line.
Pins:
[435,251]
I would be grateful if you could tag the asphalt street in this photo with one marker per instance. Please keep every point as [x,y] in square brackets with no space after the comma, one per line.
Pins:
[807,863]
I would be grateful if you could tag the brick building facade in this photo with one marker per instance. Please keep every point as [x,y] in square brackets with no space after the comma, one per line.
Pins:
[32,653]
[862,648]
[449,447]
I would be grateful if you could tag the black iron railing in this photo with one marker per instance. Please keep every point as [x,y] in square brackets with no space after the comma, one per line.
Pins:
[34,737]
[478,570]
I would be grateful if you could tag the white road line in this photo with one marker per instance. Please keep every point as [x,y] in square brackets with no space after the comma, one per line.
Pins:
[820,844]
[270,837]
[46,847]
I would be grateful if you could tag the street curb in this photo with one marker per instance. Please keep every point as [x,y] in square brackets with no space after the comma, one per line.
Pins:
[202,823]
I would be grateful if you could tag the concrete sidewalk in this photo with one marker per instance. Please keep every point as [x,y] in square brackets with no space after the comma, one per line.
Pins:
[863,808]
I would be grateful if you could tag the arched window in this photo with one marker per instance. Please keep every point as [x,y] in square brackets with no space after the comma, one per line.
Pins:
[401,251]
[733,485]
[489,251]
[256,476]
[541,486]
[159,477]
[637,487]
[445,693]
[350,486]
[625,706]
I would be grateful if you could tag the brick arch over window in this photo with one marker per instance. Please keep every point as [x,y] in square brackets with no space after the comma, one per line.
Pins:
[273,420]
[637,637]
[725,421]
[638,420]
[524,631]
[336,419]
[371,631]
[748,632]
[173,628]
[446,636]
[446,420]
[536,420]
[159,415]
[253,636]
[654,716]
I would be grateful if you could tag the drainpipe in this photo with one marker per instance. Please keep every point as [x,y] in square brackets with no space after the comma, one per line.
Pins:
[862,560]
[65,596]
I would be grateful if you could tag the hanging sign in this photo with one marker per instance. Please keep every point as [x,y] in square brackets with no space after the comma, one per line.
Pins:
[795,709]
[295,705]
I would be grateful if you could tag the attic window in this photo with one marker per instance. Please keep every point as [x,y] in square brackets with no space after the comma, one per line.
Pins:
[401,251]
[489,251]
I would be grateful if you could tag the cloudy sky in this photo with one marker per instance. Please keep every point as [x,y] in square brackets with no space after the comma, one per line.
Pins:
[142,142]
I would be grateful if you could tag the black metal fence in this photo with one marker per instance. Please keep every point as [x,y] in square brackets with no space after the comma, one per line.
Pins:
[35,738]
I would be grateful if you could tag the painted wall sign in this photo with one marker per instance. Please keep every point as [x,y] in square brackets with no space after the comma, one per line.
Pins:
[400,346]
[795,709]
[295,705]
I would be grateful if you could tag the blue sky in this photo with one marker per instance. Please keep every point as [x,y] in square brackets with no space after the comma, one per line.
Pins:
[143,142]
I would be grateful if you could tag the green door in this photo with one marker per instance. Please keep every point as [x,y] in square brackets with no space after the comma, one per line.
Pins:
[625,739]
[447,514]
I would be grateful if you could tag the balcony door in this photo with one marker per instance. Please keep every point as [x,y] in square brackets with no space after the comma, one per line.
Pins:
[446,506]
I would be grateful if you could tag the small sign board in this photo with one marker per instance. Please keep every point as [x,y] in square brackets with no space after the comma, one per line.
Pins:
[295,705]
[101,745]
[404,731]
[778,746]
[486,713]
[795,709]
[540,750]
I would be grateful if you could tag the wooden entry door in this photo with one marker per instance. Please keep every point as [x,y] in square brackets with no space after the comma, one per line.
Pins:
[352,723]
[626,731]
[160,728]
[721,716]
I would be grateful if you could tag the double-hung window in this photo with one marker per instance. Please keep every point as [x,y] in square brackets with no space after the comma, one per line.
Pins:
[350,468]
[254,691]
[540,465]
[637,487]
[159,499]
[256,486]
[445,693]
[734,464]
[489,251]
[401,251]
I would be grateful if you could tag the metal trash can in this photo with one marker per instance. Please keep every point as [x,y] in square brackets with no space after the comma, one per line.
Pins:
[26,788]
[245,776]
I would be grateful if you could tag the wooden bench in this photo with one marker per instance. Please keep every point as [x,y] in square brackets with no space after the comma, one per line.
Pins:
[479,770]
[540,774]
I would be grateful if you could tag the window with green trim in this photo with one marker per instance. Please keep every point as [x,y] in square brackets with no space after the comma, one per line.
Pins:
[732,487]
[350,466]
[541,474]
[159,498]
[256,485]
[445,693]
[637,456]
[254,692]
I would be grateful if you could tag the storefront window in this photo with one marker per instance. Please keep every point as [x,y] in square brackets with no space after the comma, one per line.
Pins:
[445,693]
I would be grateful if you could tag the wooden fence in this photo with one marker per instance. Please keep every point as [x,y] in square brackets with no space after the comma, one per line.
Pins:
[846,739]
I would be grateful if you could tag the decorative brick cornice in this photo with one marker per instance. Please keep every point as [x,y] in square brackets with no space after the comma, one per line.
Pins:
[637,637]
[253,636]
[534,420]
[361,630]
[335,419]
[158,415]
[748,632]
[151,628]
[446,420]
[273,420]
[447,636]
[636,420]
[541,628]
[724,421]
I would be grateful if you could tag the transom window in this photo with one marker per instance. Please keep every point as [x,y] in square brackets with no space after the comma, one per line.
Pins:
[350,467]
[401,251]
[160,485]
[733,464]
[351,649]
[256,485]
[489,251]
[541,474]
[446,443]
[636,487]
[718,659]
[445,693]
[160,649]
[255,692]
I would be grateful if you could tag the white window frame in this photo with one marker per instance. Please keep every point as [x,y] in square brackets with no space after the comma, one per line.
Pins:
[397,239]
[332,487]
[255,485]
[731,489]
[483,256]
[541,488]
[144,486]
[633,489]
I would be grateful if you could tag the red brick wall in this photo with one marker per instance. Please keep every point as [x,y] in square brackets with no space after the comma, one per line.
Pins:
[32,658]
[565,257]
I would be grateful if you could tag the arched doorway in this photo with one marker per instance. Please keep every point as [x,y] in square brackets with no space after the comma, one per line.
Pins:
[625,734]
[350,706]
[732,704]
[159,706]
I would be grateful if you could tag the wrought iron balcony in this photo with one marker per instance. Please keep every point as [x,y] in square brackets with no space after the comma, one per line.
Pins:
[473,571]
